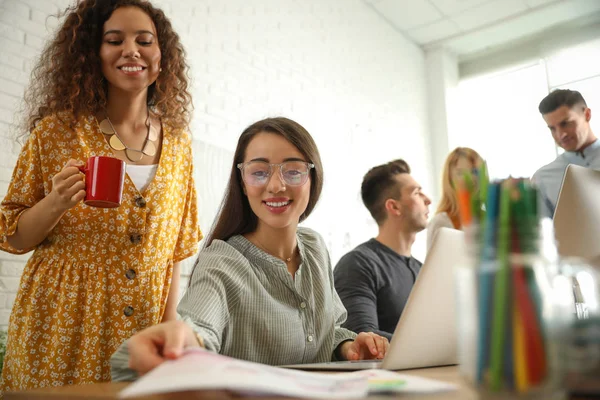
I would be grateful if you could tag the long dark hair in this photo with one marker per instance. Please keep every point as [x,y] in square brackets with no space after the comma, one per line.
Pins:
[235,215]
[68,80]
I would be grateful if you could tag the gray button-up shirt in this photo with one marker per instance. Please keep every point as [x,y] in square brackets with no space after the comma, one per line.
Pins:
[245,304]
[549,178]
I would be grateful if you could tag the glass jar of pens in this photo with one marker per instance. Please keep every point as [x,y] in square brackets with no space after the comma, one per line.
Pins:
[510,322]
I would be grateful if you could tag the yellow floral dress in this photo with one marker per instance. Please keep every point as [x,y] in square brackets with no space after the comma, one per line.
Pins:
[101,275]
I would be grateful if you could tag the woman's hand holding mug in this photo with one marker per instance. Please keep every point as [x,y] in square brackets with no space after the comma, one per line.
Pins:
[68,186]
[101,184]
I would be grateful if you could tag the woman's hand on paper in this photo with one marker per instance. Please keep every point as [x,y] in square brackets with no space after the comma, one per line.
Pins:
[152,346]
[366,346]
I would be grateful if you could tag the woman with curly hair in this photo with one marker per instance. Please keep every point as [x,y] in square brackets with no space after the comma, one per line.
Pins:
[111,83]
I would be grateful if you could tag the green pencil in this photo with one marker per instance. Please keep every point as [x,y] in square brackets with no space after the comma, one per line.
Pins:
[483,188]
[501,288]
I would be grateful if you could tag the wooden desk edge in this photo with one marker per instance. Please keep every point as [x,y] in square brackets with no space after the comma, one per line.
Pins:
[110,390]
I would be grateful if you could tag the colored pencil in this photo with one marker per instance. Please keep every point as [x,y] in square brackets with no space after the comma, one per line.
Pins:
[500,288]
[488,255]
[511,342]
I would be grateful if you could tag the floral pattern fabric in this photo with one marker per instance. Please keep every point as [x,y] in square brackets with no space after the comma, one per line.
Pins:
[101,275]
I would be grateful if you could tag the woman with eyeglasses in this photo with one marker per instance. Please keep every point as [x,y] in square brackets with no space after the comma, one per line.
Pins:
[461,161]
[262,290]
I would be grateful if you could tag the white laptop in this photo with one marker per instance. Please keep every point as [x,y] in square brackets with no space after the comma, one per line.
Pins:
[426,332]
[577,214]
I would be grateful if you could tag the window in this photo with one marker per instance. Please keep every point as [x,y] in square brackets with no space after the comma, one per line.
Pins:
[497,115]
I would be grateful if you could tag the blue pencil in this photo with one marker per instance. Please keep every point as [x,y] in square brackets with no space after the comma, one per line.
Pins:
[486,275]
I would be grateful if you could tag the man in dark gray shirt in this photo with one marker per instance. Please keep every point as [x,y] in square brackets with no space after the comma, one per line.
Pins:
[375,279]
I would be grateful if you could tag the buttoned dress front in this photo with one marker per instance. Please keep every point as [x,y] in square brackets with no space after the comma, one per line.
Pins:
[101,274]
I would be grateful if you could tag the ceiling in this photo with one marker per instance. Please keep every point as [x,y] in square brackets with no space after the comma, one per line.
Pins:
[471,26]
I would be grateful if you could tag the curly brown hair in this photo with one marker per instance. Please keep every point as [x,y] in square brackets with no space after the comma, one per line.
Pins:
[68,79]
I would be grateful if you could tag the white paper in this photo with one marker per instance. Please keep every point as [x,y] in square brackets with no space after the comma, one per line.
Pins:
[202,370]
[198,369]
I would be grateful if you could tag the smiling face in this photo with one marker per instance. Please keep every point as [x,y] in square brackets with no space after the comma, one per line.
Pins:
[129,51]
[276,204]
[570,127]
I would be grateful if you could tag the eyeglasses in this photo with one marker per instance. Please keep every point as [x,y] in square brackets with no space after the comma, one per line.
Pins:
[258,173]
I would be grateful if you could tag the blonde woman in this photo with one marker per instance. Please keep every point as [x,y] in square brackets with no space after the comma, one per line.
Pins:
[459,162]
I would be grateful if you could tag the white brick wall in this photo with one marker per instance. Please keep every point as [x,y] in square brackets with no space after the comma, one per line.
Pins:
[334,66]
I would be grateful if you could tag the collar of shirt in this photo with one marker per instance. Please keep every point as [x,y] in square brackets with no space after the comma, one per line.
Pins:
[258,256]
[593,148]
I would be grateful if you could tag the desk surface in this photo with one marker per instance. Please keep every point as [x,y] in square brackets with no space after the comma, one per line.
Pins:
[105,391]
[110,390]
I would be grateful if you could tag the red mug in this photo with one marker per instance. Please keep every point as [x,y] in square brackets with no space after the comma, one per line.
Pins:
[104,177]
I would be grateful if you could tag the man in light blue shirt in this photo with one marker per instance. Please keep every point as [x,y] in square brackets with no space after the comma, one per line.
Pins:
[568,118]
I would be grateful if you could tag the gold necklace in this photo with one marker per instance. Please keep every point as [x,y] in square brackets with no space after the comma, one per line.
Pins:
[117,144]
[287,260]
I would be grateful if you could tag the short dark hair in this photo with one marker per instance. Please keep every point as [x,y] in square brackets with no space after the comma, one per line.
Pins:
[561,97]
[379,184]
